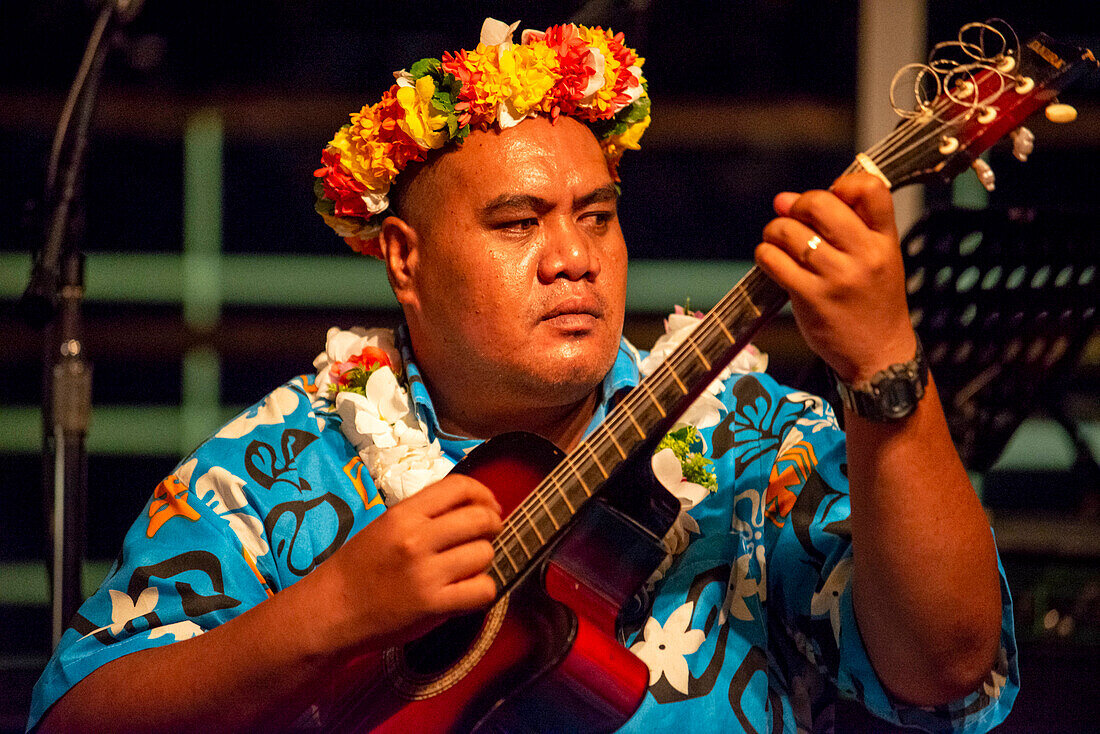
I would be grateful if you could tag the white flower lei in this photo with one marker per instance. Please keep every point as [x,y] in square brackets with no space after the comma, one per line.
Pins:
[382,425]
[393,442]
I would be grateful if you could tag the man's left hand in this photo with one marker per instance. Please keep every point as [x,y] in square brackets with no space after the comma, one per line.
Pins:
[836,253]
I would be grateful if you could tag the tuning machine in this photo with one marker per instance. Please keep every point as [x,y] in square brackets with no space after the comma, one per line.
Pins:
[1061,113]
[1023,143]
[985,174]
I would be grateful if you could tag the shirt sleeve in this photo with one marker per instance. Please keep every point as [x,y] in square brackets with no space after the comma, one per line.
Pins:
[808,496]
[182,570]
[255,508]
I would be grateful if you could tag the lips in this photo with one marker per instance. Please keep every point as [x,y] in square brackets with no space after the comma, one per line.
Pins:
[579,306]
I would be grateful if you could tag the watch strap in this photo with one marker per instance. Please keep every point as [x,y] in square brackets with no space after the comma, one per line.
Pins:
[891,394]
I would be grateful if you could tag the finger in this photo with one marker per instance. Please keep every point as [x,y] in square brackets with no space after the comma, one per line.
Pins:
[803,245]
[783,201]
[462,525]
[454,490]
[869,198]
[476,592]
[465,561]
[826,214]
[782,268]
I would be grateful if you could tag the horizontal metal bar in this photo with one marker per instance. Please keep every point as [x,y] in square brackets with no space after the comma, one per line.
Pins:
[115,430]
[26,583]
[313,280]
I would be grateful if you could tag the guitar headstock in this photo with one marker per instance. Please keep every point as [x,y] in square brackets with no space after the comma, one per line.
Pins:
[970,94]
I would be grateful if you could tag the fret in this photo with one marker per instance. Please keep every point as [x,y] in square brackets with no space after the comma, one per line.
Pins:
[515,539]
[652,397]
[561,493]
[630,415]
[596,458]
[616,443]
[702,357]
[532,524]
[676,377]
[725,331]
[576,472]
[546,509]
[497,574]
[507,555]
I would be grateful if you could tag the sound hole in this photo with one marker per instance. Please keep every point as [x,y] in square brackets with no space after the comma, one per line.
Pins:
[444,646]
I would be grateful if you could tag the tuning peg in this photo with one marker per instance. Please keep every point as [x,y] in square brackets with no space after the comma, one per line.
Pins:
[1023,142]
[985,174]
[1058,112]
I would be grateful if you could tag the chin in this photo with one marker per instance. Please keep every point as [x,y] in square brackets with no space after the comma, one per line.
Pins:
[569,377]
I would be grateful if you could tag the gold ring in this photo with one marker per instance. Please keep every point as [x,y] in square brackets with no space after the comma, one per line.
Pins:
[811,245]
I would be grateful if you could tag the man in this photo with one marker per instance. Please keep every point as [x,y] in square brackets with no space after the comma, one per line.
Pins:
[506,256]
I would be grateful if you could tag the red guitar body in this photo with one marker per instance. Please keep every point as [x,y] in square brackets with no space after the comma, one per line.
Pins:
[546,657]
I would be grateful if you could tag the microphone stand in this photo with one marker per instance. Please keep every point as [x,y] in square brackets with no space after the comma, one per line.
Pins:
[52,303]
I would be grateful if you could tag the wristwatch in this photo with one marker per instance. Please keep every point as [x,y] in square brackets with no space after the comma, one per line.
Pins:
[891,394]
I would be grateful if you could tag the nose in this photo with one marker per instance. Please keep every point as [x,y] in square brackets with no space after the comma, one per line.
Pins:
[568,253]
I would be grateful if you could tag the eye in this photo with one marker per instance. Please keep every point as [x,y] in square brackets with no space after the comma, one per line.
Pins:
[598,220]
[519,226]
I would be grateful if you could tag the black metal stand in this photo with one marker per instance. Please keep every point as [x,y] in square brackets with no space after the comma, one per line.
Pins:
[52,301]
[1004,303]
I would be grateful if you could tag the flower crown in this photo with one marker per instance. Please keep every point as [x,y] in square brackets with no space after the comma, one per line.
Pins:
[584,73]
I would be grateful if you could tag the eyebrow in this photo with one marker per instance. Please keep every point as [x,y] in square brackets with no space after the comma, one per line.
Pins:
[529,202]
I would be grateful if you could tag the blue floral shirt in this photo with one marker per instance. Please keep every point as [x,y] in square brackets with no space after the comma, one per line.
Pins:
[751,627]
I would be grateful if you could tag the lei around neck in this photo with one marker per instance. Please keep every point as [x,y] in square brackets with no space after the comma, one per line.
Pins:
[573,70]
[358,376]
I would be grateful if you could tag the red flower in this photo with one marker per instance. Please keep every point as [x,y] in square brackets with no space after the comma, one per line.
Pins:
[341,187]
[575,72]
[402,148]
[469,110]
[370,359]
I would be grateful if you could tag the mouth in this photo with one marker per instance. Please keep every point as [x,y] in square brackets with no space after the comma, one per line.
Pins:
[574,314]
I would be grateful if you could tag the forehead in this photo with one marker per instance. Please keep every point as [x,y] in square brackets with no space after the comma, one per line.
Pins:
[536,156]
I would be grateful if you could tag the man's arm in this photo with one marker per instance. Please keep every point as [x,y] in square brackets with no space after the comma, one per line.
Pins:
[925,579]
[422,561]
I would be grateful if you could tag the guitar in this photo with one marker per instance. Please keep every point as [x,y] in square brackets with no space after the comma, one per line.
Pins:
[583,530]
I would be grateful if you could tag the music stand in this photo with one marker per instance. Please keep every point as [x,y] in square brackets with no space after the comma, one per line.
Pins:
[1004,302]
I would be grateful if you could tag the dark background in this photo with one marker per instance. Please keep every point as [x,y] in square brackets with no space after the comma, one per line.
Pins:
[286,74]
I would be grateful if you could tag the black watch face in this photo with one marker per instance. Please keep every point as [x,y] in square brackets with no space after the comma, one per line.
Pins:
[896,398]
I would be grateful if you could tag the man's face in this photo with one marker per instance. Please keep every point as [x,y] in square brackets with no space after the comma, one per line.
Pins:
[520,280]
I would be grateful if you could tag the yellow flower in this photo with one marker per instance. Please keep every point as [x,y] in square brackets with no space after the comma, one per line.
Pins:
[631,137]
[513,81]
[424,122]
[363,154]
[531,72]
[615,145]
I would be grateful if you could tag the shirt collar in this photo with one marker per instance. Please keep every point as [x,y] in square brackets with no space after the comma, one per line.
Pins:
[620,379]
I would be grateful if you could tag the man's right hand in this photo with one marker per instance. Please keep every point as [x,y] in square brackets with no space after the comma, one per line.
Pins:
[420,562]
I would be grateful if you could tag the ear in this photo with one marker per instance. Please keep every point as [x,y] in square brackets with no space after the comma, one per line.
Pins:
[400,245]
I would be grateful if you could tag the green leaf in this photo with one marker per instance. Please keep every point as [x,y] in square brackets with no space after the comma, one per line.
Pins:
[693,465]
[322,204]
[451,83]
[425,67]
